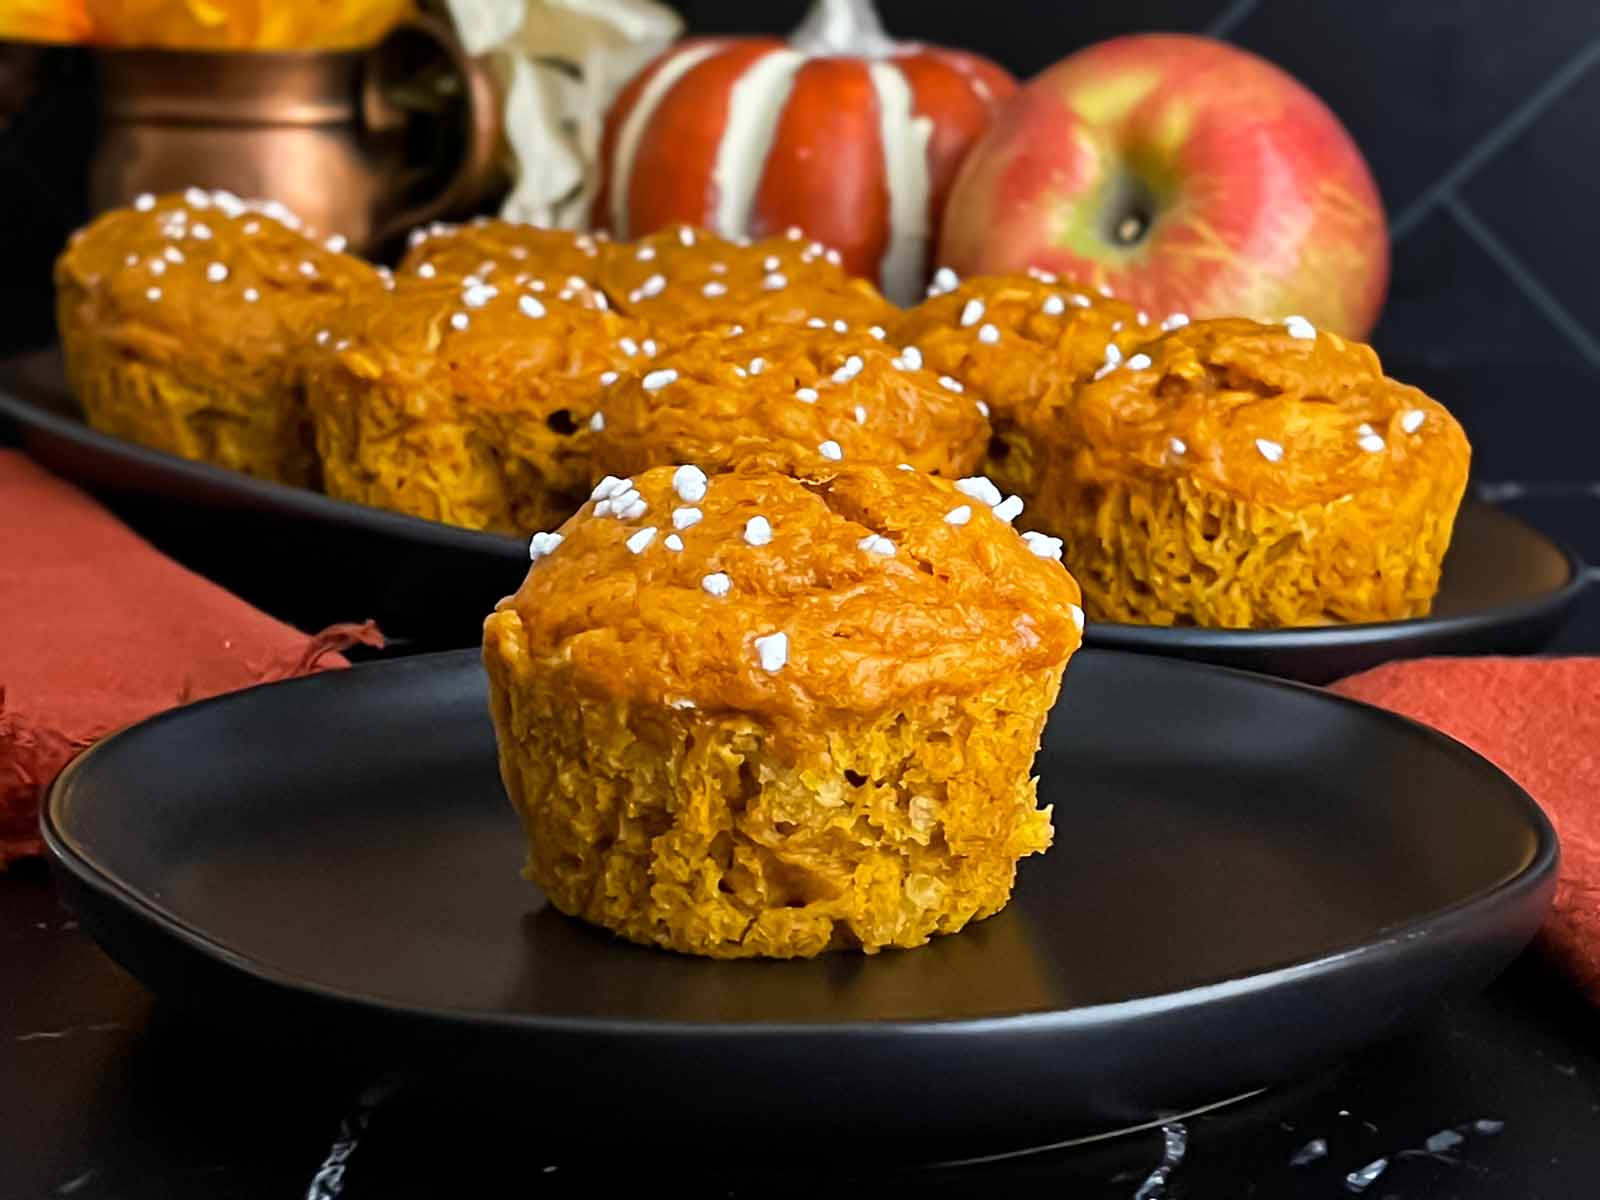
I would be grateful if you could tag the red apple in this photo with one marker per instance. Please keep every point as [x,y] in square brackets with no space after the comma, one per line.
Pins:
[1184,174]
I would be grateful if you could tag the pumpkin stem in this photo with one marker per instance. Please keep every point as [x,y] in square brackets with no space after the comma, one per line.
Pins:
[844,27]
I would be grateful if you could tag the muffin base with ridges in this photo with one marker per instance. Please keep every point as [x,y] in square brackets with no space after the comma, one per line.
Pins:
[1166,552]
[710,833]
[507,473]
[260,428]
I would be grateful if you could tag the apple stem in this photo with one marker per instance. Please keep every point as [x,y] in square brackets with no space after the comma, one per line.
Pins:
[844,27]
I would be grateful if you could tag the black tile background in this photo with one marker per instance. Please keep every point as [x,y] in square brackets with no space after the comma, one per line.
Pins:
[1480,118]
[1541,195]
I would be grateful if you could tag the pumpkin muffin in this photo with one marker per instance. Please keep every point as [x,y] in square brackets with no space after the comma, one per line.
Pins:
[493,249]
[1243,475]
[685,277]
[179,318]
[787,398]
[760,714]
[463,401]
[1023,343]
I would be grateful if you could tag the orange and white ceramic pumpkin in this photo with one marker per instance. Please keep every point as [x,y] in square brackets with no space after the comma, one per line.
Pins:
[841,131]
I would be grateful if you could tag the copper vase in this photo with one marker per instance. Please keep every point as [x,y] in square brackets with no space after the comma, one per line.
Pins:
[312,129]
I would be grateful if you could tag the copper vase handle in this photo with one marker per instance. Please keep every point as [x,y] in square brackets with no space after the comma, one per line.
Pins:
[481,133]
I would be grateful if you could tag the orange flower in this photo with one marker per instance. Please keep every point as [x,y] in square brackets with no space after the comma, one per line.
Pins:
[244,24]
[44,20]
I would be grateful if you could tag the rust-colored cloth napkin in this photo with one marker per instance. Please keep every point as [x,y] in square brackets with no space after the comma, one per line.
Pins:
[99,630]
[1539,721]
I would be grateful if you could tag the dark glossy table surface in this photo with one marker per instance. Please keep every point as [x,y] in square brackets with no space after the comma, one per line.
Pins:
[108,1092]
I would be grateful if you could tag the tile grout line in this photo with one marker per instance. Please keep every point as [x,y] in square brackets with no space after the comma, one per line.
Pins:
[1231,18]
[1443,189]
[1519,273]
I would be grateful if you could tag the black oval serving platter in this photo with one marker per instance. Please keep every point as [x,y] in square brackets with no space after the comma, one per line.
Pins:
[1250,878]
[1507,589]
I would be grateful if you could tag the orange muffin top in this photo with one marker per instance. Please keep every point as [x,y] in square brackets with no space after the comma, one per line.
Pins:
[1278,413]
[789,398]
[537,342]
[685,276]
[199,273]
[491,248]
[860,588]
[1023,342]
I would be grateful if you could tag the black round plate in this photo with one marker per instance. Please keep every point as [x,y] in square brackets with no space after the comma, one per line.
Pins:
[1249,878]
[1507,589]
